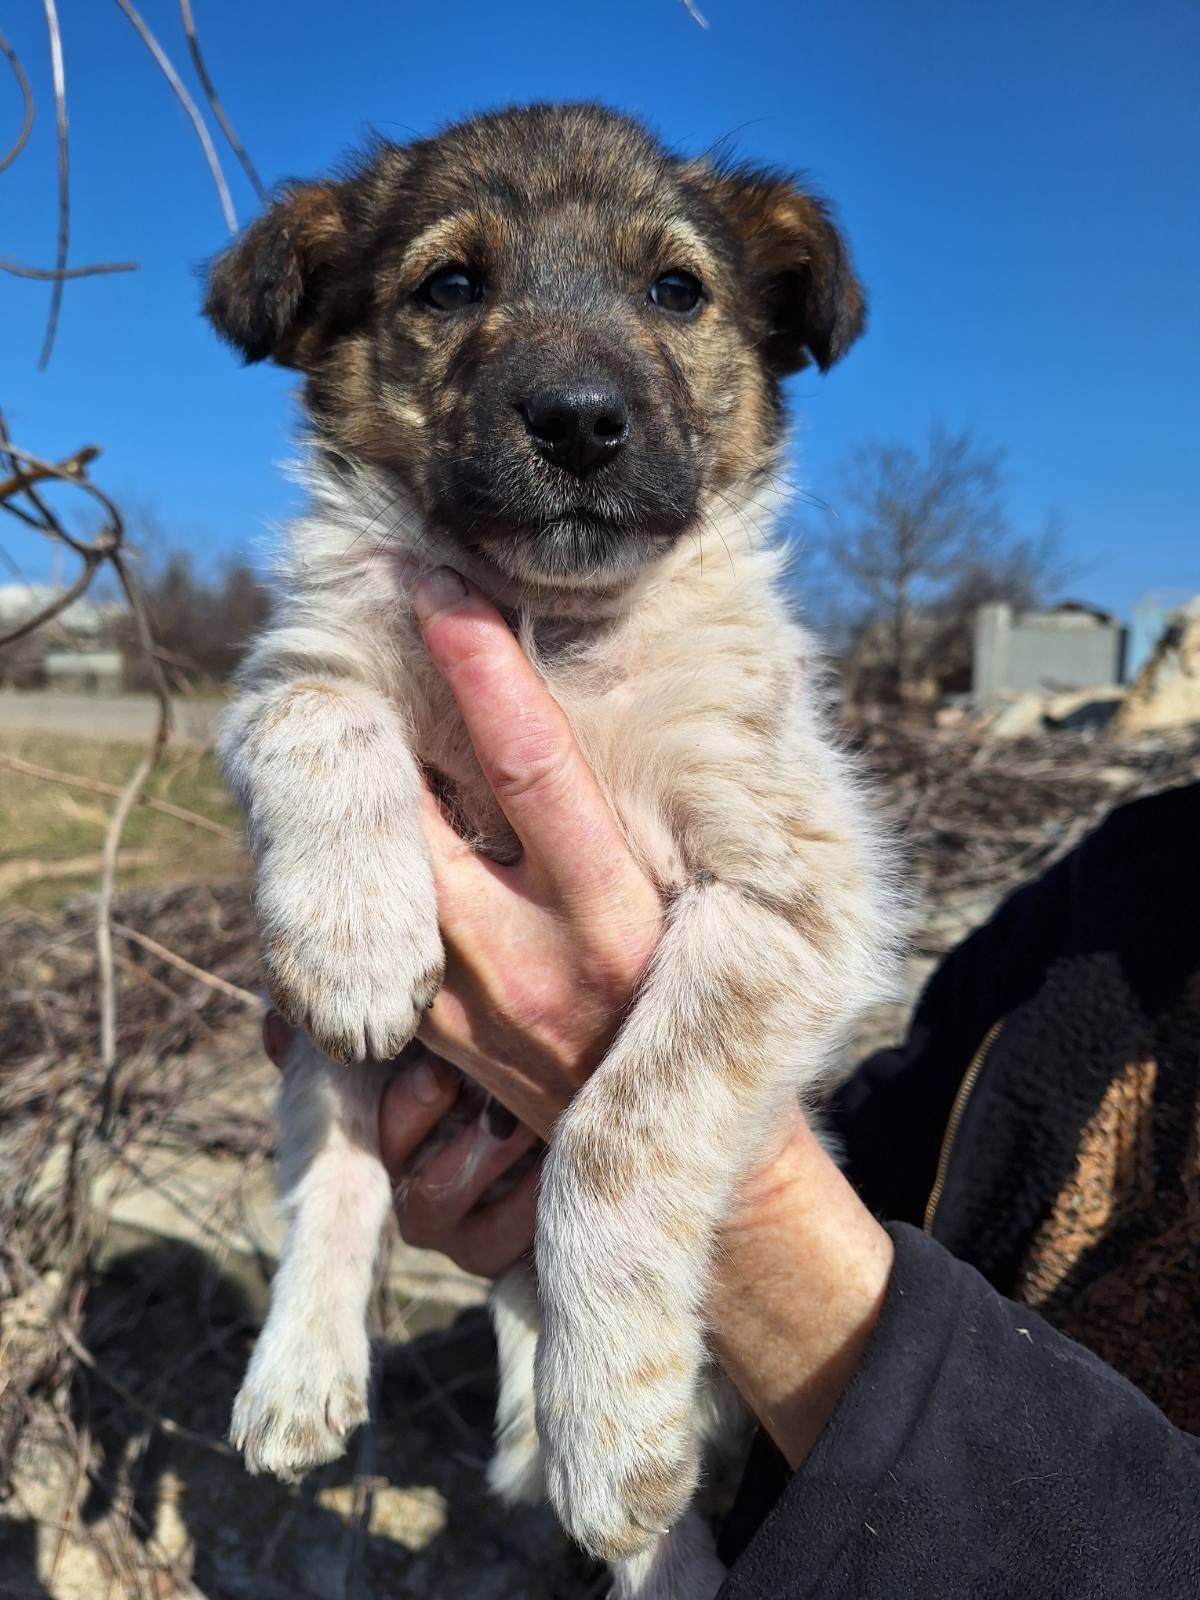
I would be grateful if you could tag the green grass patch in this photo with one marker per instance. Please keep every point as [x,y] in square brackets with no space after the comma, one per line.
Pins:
[47,826]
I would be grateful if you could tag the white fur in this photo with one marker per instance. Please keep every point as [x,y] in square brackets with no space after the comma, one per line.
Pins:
[697,701]
[306,1388]
[516,1472]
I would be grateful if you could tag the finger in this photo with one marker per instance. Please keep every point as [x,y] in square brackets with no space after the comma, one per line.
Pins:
[456,1027]
[412,1105]
[494,1237]
[521,737]
[456,1178]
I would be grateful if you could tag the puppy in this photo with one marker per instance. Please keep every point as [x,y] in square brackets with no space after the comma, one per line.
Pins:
[543,350]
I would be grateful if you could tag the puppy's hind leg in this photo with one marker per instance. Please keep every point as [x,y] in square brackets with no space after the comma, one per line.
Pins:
[516,1474]
[306,1387]
[679,1565]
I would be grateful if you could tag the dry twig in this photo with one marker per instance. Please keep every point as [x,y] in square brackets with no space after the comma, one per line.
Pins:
[13,874]
[218,110]
[61,273]
[65,274]
[92,560]
[29,470]
[164,64]
[112,838]
[64,202]
[18,144]
[75,780]
[252,1002]
[104,548]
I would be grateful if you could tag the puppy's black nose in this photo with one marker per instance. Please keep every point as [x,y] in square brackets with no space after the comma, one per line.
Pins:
[578,426]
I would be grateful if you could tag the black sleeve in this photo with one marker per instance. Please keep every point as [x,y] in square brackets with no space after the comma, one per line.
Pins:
[979,1453]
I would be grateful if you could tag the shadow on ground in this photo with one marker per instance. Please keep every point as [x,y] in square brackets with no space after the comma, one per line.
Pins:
[163,1501]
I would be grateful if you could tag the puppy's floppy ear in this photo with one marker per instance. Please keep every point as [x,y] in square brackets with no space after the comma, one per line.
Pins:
[811,302]
[263,292]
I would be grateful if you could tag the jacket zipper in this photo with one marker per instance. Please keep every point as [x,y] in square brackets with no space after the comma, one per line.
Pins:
[965,1090]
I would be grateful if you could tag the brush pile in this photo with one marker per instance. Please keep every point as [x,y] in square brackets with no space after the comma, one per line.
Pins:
[978,817]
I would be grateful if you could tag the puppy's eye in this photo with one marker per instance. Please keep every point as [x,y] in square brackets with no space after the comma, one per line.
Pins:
[676,291]
[451,288]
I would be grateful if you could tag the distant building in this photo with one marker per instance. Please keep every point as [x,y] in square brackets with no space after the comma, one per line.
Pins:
[72,651]
[84,671]
[1071,646]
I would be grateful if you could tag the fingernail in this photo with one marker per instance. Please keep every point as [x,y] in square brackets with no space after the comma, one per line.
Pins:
[437,591]
[498,1120]
[426,1087]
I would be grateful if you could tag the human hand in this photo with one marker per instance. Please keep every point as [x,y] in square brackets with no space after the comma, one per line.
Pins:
[546,956]
[800,1274]
[438,1207]
[542,957]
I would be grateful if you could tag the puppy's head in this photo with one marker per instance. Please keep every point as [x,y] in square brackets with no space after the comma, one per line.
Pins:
[564,341]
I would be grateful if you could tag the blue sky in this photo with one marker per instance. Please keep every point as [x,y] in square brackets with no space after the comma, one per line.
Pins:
[1018,180]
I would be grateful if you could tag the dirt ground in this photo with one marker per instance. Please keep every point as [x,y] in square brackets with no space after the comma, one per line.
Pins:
[122,1484]
[405,1515]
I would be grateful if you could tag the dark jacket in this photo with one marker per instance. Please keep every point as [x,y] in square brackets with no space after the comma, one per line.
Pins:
[1040,1123]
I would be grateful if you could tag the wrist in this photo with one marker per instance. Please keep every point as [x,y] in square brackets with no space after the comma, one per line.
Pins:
[802,1274]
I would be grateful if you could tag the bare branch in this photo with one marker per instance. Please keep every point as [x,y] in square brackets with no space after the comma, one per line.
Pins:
[18,144]
[35,869]
[70,472]
[163,62]
[38,471]
[92,560]
[252,1002]
[218,110]
[28,470]
[75,780]
[60,275]
[64,202]
[22,481]
[112,838]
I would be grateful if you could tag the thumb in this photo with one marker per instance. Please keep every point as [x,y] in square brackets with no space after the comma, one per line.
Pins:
[524,744]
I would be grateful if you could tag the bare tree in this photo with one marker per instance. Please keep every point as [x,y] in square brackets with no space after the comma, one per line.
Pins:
[921,520]
[206,623]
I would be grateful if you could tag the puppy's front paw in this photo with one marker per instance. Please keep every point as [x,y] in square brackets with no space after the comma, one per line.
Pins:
[621,1451]
[356,966]
[301,1400]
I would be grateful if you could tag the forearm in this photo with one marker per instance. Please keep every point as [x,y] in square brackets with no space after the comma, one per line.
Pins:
[802,1273]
